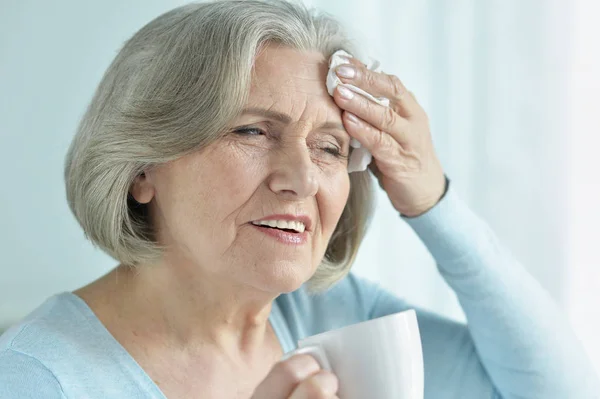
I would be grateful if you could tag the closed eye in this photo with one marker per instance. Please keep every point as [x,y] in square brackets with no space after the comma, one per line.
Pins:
[333,150]
[328,148]
[250,131]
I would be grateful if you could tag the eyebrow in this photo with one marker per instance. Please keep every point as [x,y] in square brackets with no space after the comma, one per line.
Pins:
[286,119]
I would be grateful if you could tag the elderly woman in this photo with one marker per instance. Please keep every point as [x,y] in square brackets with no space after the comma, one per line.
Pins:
[213,165]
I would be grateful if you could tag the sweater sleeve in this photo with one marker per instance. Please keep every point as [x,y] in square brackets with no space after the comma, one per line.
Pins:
[516,334]
[24,377]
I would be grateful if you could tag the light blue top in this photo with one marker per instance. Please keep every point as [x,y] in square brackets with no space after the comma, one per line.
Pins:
[517,343]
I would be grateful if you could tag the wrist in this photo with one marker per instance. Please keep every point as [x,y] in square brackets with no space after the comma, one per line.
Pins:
[413,213]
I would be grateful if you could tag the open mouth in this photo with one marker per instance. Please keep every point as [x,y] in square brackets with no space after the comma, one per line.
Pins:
[288,226]
[277,228]
[288,232]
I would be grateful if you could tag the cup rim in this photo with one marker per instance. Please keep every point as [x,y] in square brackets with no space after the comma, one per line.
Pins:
[402,314]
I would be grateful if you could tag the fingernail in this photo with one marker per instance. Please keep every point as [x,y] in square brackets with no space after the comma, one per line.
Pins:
[305,365]
[346,71]
[328,382]
[351,117]
[345,92]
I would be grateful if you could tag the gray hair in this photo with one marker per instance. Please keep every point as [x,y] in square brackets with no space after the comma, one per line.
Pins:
[172,89]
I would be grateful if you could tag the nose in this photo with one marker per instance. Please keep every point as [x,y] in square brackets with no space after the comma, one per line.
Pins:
[294,173]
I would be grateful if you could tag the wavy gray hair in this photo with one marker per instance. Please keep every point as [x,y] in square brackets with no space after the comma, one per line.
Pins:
[173,89]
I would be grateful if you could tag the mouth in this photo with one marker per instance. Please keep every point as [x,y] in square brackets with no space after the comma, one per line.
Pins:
[283,225]
[285,229]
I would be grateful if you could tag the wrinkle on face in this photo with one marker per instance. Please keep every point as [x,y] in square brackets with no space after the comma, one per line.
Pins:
[301,92]
[208,199]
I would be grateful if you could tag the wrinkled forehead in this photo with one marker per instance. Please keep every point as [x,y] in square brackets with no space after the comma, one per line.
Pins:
[291,81]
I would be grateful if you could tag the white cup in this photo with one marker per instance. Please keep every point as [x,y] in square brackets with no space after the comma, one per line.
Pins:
[380,358]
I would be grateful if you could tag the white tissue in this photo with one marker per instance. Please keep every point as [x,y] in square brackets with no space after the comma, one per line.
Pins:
[360,157]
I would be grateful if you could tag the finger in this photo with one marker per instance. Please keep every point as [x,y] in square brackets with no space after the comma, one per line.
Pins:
[357,62]
[381,117]
[379,143]
[322,385]
[380,84]
[285,376]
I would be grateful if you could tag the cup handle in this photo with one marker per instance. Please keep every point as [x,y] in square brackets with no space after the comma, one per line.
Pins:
[315,351]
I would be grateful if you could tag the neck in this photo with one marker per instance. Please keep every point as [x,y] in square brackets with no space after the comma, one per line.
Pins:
[188,311]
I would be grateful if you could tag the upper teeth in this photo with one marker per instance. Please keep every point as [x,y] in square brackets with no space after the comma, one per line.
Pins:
[282,224]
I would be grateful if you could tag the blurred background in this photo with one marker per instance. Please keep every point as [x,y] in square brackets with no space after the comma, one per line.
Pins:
[511,88]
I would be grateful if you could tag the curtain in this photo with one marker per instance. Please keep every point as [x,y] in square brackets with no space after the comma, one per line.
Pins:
[496,79]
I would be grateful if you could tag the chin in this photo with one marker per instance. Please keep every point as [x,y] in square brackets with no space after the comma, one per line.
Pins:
[284,277]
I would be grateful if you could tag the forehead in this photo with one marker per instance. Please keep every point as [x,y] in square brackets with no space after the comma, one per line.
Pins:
[292,81]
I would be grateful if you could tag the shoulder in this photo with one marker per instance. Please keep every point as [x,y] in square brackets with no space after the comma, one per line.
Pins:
[351,300]
[30,350]
[23,376]
[62,350]
[49,330]
[62,335]
[355,299]
[449,353]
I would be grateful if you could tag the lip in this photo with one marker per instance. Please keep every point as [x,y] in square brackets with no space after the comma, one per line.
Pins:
[294,218]
[284,237]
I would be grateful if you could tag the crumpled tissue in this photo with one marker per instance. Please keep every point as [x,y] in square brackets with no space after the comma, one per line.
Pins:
[360,157]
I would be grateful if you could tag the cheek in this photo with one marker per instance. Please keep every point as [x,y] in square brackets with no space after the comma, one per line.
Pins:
[334,196]
[225,183]
[206,190]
